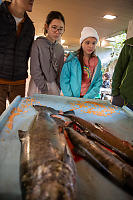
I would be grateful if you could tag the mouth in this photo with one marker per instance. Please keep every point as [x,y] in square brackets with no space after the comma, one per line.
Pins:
[89,50]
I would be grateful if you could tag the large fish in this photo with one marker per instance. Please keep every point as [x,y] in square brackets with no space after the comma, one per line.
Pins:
[99,133]
[57,115]
[103,159]
[47,170]
[51,110]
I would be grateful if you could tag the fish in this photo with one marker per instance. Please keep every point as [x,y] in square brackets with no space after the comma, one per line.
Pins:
[95,130]
[57,115]
[117,170]
[52,111]
[47,168]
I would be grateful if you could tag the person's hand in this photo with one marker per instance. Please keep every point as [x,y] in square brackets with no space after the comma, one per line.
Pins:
[118,101]
[61,93]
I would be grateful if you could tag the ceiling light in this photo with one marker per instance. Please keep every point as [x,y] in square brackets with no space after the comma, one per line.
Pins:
[109,17]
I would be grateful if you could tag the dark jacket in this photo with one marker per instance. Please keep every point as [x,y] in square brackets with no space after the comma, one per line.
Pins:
[122,82]
[14,50]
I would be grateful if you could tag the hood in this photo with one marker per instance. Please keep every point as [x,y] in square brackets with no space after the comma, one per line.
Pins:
[47,41]
[71,56]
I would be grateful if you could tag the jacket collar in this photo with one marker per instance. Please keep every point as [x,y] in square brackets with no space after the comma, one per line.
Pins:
[129,41]
[48,41]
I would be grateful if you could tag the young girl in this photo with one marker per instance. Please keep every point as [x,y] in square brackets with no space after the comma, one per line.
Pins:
[81,74]
[47,57]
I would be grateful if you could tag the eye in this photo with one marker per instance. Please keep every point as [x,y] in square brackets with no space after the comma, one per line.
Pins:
[87,42]
[54,27]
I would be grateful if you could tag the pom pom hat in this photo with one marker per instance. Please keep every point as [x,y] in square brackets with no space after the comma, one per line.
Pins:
[88,32]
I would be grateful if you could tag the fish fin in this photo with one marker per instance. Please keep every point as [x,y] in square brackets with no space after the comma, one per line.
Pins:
[69,112]
[22,134]
[66,156]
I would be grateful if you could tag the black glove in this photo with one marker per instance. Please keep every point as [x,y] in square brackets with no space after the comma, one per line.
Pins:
[118,101]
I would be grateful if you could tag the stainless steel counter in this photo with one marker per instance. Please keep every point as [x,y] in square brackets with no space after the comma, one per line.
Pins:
[92,185]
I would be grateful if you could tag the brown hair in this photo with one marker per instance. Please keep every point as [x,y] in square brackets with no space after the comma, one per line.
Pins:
[51,16]
[80,54]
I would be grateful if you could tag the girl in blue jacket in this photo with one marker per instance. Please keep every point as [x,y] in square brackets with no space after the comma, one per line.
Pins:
[81,74]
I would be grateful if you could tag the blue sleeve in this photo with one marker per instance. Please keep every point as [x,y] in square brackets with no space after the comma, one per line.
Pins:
[65,80]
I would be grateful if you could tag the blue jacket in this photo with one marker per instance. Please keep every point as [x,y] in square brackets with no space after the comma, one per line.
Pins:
[71,78]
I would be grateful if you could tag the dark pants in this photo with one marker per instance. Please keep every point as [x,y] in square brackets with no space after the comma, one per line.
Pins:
[10,92]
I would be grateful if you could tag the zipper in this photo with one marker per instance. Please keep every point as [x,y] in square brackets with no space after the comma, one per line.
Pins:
[125,103]
[124,78]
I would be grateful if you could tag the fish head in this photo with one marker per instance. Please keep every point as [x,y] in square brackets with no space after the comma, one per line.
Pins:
[45,109]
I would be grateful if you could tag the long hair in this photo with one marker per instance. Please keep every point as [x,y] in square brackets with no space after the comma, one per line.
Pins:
[80,54]
[51,16]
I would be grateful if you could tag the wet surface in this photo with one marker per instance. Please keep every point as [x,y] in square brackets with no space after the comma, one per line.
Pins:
[91,183]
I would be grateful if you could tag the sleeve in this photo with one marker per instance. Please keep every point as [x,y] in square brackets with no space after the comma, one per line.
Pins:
[32,40]
[65,80]
[119,70]
[61,62]
[94,92]
[35,69]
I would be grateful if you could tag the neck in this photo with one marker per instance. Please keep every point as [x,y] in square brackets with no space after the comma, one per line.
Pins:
[16,11]
[87,57]
[50,39]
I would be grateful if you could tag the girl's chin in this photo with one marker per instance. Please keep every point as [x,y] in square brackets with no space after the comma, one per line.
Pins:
[89,52]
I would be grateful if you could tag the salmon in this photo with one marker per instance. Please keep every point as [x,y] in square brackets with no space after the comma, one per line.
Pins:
[102,159]
[47,169]
[98,132]
[52,111]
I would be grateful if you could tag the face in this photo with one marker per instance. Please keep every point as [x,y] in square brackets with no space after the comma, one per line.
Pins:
[89,45]
[26,5]
[55,30]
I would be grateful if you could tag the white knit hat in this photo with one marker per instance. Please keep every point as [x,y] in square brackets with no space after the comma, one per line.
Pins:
[88,32]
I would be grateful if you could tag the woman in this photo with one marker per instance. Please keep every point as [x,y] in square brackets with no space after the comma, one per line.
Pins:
[81,74]
[47,57]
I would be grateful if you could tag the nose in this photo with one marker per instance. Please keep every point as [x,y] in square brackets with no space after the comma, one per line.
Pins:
[90,45]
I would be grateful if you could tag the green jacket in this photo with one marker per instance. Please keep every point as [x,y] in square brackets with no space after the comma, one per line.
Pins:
[122,81]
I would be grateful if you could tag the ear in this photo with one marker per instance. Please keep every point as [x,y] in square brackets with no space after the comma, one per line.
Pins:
[46,27]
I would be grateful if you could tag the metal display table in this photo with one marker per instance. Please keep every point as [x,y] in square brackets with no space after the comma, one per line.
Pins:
[91,183]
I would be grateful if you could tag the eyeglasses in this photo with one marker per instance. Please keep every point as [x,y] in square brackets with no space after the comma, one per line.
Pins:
[55,29]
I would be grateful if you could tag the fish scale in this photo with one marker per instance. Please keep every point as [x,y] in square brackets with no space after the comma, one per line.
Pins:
[47,169]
